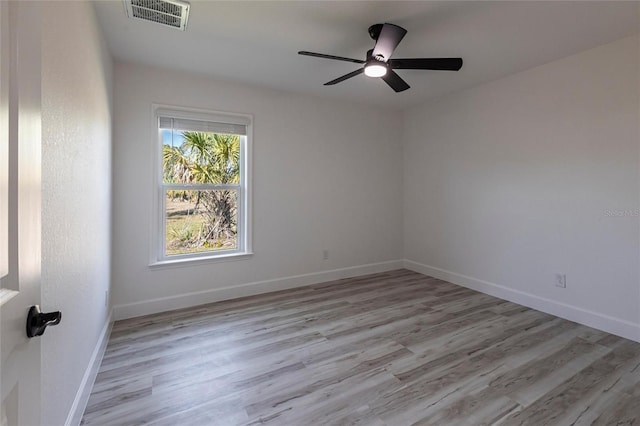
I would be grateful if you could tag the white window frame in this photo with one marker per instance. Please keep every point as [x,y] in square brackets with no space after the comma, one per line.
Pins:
[244,248]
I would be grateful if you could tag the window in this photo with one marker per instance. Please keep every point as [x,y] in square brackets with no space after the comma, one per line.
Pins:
[203,196]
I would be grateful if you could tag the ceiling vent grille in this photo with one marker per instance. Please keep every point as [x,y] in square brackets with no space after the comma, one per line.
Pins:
[172,13]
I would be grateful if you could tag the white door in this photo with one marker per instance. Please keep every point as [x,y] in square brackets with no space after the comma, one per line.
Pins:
[20,137]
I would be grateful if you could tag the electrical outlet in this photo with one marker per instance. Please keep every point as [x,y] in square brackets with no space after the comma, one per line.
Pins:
[325,254]
[561,280]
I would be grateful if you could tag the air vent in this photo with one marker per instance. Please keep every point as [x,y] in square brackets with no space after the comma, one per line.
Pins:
[171,13]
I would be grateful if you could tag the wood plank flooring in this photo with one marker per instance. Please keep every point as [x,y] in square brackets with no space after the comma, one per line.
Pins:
[396,348]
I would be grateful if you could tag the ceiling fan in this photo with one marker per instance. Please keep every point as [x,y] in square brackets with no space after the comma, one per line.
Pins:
[379,63]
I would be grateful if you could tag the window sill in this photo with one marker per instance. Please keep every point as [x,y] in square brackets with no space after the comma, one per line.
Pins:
[200,260]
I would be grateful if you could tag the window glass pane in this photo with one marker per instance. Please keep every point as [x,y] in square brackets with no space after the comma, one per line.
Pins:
[201,221]
[200,157]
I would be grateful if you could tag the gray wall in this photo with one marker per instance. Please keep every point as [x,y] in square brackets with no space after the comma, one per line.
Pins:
[511,182]
[76,197]
[326,175]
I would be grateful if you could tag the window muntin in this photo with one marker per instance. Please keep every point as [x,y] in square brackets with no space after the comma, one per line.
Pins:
[203,195]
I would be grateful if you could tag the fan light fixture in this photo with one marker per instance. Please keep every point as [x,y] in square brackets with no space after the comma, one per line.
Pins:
[378,62]
[375,70]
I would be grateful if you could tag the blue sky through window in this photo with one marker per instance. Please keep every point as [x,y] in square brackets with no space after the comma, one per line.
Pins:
[177,137]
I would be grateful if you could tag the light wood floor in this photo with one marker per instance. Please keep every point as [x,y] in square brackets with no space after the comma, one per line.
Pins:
[396,348]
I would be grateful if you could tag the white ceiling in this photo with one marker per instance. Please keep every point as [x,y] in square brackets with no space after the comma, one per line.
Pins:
[257,42]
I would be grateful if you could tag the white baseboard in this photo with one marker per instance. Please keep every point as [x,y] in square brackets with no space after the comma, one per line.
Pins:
[589,318]
[164,304]
[84,391]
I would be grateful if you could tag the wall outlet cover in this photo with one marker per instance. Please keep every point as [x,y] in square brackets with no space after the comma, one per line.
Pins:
[561,280]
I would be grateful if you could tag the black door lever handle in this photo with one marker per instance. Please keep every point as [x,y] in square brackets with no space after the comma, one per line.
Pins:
[38,321]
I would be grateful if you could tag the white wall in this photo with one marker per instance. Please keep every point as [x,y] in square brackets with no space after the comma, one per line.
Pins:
[509,183]
[326,175]
[76,196]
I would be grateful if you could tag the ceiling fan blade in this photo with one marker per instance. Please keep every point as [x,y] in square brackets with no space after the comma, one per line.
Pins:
[445,64]
[337,58]
[344,77]
[395,82]
[388,40]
